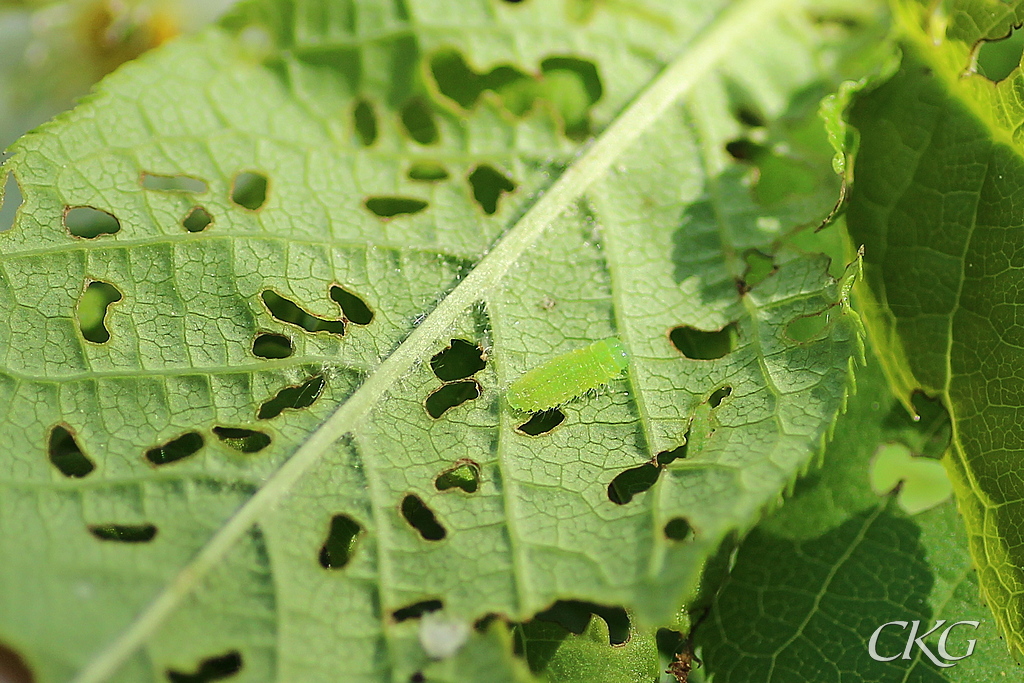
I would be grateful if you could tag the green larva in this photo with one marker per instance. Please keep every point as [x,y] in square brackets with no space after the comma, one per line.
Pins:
[567,376]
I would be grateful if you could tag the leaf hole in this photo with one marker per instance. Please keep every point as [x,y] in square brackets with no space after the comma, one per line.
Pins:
[632,482]
[365,120]
[428,172]
[92,310]
[450,396]
[241,439]
[287,311]
[271,345]
[176,449]
[703,344]
[572,86]
[542,422]
[416,610]
[341,542]
[575,616]
[10,202]
[745,150]
[210,669]
[66,455]
[749,116]
[719,395]
[421,518]
[669,642]
[389,207]
[172,183]
[418,119]
[996,59]
[464,475]
[488,185]
[249,190]
[89,223]
[778,176]
[665,458]
[459,360]
[13,668]
[678,529]
[759,267]
[806,328]
[293,398]
[353,308]
[197,220]
[124,533]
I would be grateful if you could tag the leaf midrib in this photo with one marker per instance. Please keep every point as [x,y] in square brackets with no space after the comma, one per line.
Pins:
[733,25]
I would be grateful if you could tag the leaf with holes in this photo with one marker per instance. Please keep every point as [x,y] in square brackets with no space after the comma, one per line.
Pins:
[936,204]
[270,288]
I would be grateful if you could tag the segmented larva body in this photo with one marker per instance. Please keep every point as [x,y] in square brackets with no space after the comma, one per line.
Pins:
[565,377]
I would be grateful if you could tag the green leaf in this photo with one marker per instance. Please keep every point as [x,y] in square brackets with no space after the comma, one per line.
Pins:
[936,205]
[248,473]
[813,582]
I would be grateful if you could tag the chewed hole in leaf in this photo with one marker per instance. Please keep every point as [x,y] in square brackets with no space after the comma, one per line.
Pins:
[750,116]
[241,439]
[632,482]
[572,86]
[416,610]
[66,455]
[465,475]
[575,616]
[457,81]
[124,533]
[809,327]
[270,345]
[759,267]
[341,542]
[922,482]
[172,183]
[13,668]
[677,529]
[996,59]
[294,398]
[421,518]
[428,172]
[719,395]
[353,308]
[705,344]
[176,449]
[778,176]
[89,223]
[668,457]
[450,396]
[365,120]
[389,207]
[197,220]
[249,190]
[418,119]
[92,310]
[745,150]
[669,642]
[289,312]
[488,185]
[542,422]
[10,202]
[461,359]
[210,669]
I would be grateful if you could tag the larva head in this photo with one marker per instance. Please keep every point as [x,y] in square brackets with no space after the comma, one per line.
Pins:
[611,354]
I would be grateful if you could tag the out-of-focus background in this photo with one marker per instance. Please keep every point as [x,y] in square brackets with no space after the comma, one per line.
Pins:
[53,51]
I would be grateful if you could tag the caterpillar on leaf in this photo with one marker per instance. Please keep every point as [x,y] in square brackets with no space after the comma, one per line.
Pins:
[568,376]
